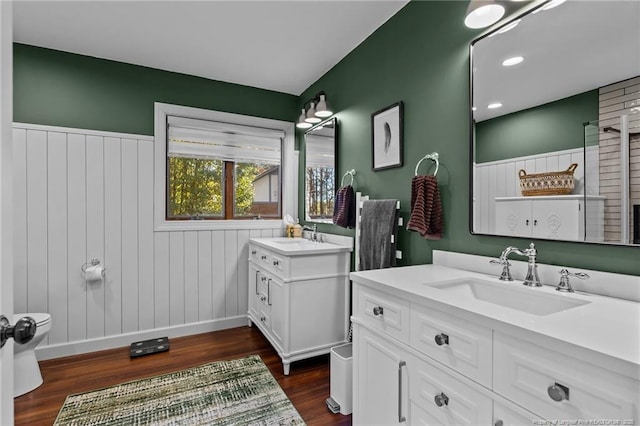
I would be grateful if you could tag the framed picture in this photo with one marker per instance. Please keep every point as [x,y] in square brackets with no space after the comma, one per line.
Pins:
[386,137]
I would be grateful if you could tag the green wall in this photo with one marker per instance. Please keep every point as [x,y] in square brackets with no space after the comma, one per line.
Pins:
[551,127]
[64,89]
[421,57]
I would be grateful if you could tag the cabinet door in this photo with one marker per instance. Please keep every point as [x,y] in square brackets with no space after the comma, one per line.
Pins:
[380,380]
[557,219]
[513,217]
[275,298]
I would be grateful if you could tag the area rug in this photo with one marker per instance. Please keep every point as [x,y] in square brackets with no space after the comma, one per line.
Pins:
[237,392]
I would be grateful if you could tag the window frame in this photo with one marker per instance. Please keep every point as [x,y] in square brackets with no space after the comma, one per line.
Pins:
[289,178]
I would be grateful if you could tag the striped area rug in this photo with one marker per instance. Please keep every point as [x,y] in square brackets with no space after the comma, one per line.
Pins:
[236,392]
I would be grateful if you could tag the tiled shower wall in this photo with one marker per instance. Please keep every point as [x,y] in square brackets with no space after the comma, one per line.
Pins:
[616,100]
[82,194]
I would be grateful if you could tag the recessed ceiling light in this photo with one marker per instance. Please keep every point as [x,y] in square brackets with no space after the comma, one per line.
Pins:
[510,26]
[494,105]
[512,61]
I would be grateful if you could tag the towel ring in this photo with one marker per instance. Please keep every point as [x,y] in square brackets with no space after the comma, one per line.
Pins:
[433,156]
[351,173]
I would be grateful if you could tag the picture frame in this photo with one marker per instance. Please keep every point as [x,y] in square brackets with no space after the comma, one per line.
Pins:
[387,137]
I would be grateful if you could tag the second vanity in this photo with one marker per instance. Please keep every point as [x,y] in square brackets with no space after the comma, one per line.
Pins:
[440,345]
[299,294]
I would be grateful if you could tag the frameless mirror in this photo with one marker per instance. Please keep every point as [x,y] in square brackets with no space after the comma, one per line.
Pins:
[320,171]
[556,92]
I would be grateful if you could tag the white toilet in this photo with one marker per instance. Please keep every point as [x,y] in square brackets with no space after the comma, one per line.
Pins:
[27,375]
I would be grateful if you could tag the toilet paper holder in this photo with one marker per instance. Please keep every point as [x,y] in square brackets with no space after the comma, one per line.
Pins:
[92,263]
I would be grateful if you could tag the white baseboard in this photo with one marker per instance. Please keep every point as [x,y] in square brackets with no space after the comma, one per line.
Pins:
[120,340]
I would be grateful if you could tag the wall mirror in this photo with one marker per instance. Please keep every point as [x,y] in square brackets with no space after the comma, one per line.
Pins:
[557,90]
[320,149]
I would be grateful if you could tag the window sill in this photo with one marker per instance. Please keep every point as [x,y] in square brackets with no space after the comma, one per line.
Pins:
[209,225]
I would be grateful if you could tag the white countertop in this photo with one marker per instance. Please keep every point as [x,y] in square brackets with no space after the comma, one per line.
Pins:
[299,246]
[606,325]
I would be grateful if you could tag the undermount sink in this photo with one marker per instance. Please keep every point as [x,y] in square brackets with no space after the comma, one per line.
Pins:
[510,295]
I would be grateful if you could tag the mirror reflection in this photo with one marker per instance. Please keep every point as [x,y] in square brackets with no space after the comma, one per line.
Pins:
[556,124]
[320,171]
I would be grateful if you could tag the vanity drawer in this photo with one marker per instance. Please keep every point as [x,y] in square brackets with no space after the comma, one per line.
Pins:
[382,311]
[457,343]
[530,375]
[438,397]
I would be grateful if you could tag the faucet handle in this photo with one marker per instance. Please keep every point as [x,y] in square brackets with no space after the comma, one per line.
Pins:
[564,285]
[506,273]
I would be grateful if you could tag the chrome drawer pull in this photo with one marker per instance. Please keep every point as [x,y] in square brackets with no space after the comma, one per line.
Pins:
[262,299]
[257,273]
[275,263]
[558,392]
[441,399]
[263,279]
[253,252]
[442,339]
[263,257]
[401,418]
[378,310]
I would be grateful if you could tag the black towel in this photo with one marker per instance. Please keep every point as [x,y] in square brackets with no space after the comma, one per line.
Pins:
[378,233]
[344,207]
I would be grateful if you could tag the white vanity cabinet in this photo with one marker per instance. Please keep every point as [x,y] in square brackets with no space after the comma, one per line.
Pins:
[299,295]
[559,217]
[418,360]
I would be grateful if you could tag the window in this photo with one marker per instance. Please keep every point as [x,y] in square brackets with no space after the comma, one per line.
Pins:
[220,168]
[222,171]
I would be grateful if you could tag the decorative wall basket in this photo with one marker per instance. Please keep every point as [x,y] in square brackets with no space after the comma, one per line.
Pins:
[550,183]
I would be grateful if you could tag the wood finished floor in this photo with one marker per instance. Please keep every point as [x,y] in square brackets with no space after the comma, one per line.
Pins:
[307,386]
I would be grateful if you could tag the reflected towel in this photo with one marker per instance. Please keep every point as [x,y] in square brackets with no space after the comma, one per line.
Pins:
[378,223]
[344,207]
[426,208]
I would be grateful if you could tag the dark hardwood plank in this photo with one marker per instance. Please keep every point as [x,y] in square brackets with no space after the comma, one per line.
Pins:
[307,386]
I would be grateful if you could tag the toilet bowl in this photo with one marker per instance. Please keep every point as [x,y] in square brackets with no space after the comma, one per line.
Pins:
[27,375]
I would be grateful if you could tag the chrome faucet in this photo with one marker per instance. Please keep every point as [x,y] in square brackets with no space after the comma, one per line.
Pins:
[314,232]
[531,279]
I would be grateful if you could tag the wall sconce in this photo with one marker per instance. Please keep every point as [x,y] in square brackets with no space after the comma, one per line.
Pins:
[318,110]
[482,13]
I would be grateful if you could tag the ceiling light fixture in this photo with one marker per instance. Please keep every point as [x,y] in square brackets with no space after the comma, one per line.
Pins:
[317,111]
[494,105]
[482,13]
[512,61]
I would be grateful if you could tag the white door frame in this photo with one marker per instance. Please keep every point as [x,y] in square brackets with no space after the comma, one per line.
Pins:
[6,195]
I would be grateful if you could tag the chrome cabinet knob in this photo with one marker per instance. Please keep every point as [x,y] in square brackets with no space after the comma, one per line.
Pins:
[558,392]
[253,252]
[263,319]
[378,310]
[441,400]
[263,279]
[262,299]
[22,332]
[441,339]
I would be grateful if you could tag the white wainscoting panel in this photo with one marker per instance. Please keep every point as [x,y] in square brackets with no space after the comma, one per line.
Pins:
[500,179]
[83,194]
